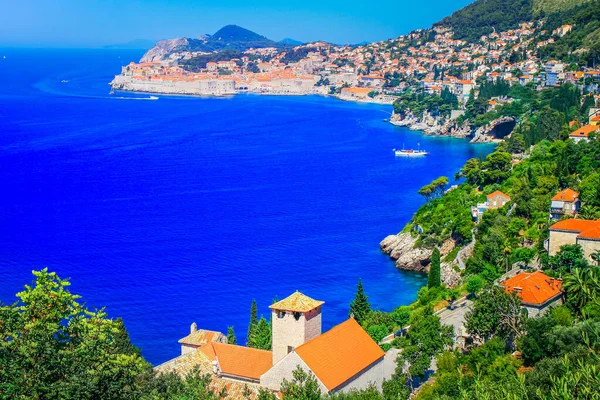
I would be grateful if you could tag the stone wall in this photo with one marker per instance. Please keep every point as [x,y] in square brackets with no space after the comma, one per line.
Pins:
[287,331]
[560,238]
[589,246]
[372,375]
[283,370]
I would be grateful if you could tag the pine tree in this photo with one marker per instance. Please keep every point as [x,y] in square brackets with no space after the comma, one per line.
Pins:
[433,279]
[231,339]
[360,306]
[253,319]
[261,335]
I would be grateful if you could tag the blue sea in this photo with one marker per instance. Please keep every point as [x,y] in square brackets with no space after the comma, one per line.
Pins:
[185,209]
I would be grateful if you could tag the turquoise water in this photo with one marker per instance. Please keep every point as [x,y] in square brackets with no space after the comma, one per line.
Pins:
[185,209]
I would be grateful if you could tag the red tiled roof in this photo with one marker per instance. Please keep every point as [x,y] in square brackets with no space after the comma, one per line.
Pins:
[498,193]
[591,233]
[340,353]
[566,195]
[584,131]
[574,225]
[533,288]
[239,361]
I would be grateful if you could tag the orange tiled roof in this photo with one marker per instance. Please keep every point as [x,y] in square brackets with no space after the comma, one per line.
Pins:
[297,302]
[201,337]
[584,131]
[533,288]
[574,225]
[591,233]
[566,195]
[239,361]
[497,193]
[339,354]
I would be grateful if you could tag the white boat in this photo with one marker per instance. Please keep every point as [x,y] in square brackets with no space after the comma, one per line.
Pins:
[410,153]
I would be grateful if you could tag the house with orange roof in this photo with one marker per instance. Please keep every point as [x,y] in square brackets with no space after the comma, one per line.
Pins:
[585,233]
[565,202]
[198,338]
[583,133]
[342,359]
[538,292]
[494,200]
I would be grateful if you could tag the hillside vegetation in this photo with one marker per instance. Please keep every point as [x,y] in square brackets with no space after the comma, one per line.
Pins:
[483,16]
[552,6]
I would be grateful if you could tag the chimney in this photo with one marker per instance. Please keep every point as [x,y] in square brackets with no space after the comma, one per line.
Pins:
[517,289]
[193,327]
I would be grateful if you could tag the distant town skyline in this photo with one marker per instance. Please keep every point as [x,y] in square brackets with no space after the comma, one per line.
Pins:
[96,23]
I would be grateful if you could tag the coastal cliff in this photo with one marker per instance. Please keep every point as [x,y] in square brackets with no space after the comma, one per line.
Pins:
[163,48]
[408,256]
[440,126]
[432,126]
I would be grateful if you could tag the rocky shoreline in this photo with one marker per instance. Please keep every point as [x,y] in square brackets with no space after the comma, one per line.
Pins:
[408,257]
[440,126]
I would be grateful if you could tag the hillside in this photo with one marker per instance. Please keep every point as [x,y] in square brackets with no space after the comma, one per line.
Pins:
[483,16]
[230,37]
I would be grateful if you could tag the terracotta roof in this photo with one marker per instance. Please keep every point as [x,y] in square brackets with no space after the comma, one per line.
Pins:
[574,225]
[533,288]
[584,131]
[591,233]
[297,302]
[239,361]
[496,193]
[566,195]
[201,337]
[340,353]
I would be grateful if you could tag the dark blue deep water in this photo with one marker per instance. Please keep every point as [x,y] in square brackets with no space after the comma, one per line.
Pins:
[179,209]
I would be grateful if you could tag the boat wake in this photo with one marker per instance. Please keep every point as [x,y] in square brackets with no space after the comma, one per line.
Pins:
[135,98]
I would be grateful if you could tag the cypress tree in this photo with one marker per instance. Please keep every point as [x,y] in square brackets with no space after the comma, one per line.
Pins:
[360,306]
[231,339]
[434,277]
[253,319]
[261,335]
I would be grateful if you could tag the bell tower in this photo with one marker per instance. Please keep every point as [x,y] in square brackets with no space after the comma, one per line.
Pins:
[295,320]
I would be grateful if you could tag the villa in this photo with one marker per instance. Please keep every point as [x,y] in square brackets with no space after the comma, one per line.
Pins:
[537,291]
[565,202]
[341,359]
[494,200]
[585,233]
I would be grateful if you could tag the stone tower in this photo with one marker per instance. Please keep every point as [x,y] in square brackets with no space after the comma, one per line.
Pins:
[295,320]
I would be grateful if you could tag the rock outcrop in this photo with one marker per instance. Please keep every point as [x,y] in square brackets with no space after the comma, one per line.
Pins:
[435,126]
[485,134]
[401,248]
[164,48]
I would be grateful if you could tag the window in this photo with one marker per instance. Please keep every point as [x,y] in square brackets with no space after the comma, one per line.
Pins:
[280,314]
[290,349]
[297,315]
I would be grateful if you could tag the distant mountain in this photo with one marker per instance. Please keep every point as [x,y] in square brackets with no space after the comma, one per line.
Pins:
[291,42]
[483,16]
[230,37]
[142,44]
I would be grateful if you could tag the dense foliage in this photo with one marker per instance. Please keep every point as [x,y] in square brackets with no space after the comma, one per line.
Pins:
[481,17]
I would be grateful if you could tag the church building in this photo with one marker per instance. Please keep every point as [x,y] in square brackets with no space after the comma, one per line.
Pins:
[341,359]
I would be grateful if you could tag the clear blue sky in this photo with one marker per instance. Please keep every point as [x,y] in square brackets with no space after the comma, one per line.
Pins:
[89,23]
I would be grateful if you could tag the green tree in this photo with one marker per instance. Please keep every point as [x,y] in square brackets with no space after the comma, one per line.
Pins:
[434,276]
[495,313]
[231,339]
[52,347]
[303,386]
[360,306]
[569,256]
[253,319]
[261,335]
[425,338]
[474,285]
